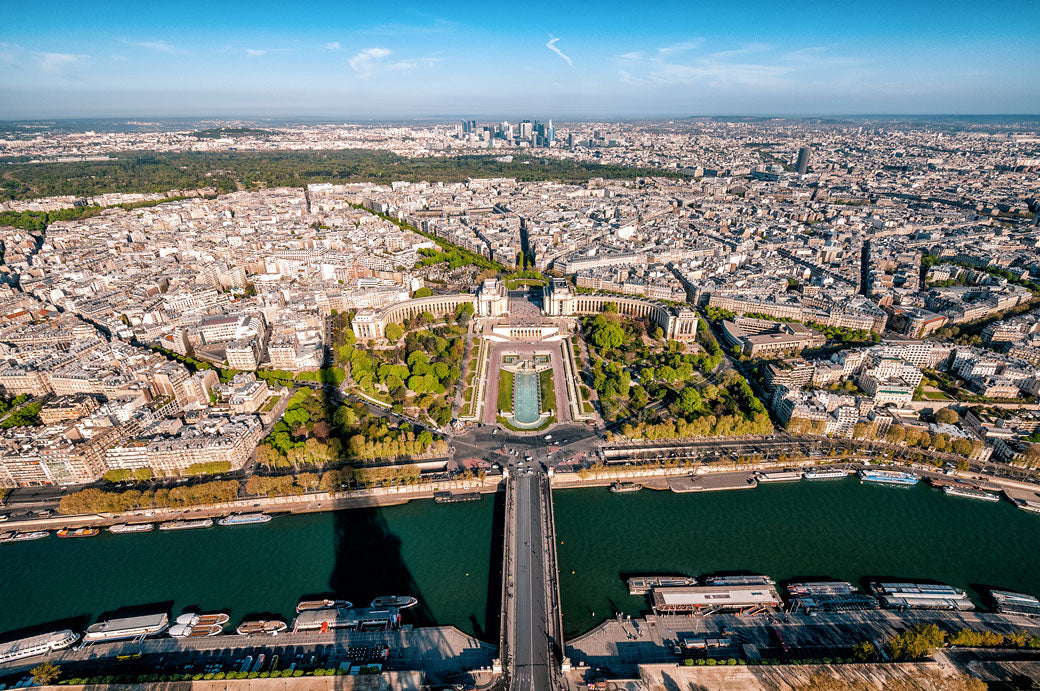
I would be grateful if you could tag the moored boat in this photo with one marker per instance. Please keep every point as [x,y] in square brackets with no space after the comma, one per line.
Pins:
[32,535]
[78,532]
[455,497]
[641,585]
[1027,504]
[970,493]
[888,477]
[191,625]
[922,596]
[128,627]
[828,474]
[244,518]
[131,528]
[187,525]
[1009,602]
[781,476]
[261,627]
[624,487]
[321,604]
[398,601]
[36,645]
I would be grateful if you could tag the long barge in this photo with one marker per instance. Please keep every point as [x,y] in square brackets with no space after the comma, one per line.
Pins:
[829,596]
[888,477]
[244,519]
[77,532]
[455,497]
[781,476]
[187,525]
[922,596]
[1016,603]
[28,536]
[37,645]
[828,474]
[119,528]
[127,628]
[970,493]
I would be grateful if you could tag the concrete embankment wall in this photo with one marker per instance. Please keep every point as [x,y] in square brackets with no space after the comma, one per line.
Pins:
[606,476]
[302,503]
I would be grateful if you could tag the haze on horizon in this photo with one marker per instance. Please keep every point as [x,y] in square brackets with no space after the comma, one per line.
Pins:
[355,60]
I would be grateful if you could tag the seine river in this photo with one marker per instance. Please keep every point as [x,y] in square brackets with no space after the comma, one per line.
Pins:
[442,554]
[438,553]
[825,528]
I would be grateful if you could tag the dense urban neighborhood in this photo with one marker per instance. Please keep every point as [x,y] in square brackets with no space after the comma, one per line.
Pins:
[238,319]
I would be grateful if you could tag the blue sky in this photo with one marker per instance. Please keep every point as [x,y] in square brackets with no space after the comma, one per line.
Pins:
[513,60]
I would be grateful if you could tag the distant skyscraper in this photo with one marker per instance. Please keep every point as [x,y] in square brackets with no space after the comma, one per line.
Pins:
[803,160]
[526,130]
[550,135]
[570,140]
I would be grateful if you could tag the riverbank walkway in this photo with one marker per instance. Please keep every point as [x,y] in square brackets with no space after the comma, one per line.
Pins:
[441,652]
[620,645]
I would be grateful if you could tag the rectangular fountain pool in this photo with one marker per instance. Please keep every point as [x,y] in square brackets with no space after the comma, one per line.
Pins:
[526,406]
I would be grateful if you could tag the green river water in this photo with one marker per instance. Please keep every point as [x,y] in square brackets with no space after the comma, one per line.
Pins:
[438,553]
[448,557]
[824,528]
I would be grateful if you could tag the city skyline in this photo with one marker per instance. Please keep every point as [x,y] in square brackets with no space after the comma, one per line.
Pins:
[338,343]
[619,61]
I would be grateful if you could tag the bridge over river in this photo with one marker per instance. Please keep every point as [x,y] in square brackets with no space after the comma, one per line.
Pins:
[532,622]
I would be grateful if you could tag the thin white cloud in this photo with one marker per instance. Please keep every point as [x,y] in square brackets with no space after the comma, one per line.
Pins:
[680,47]
[7,55]
[157,46]
[365,62]
[749,49]
[413,63]
[396,29]
[57,62]
[255,52]
[551,45]
[332,45]
[755,65]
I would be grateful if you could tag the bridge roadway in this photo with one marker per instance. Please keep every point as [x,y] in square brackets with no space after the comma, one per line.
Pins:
[534,640]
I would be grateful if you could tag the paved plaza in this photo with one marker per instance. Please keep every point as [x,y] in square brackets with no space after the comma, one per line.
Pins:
[496,353]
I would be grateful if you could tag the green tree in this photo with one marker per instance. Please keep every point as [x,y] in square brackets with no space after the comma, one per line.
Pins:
[864,651]
[423,292]
[609,336]
[689,400]
[45,673]
[464,313]
[947,416]
[393,332]
[917,642]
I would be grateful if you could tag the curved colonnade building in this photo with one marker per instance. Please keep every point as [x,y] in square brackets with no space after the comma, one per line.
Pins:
[558,300]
